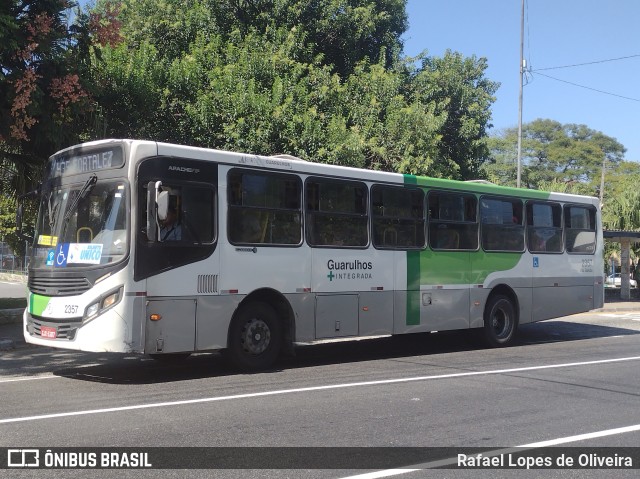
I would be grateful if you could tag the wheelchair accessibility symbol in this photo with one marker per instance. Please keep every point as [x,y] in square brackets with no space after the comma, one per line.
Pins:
[536,262]
[61,255]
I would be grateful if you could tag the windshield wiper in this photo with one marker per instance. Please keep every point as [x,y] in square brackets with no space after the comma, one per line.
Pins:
[52,211]
[84,191]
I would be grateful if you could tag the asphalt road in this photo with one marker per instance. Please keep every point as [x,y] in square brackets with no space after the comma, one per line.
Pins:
[12,290]
[574,382]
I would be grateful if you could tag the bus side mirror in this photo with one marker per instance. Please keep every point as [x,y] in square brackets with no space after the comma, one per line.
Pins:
[152,221]
[163,205]
[157,207]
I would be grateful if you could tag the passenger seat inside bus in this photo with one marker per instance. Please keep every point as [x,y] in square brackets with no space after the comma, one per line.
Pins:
[448,239]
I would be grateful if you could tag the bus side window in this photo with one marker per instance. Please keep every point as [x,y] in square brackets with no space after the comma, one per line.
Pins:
[336,213]
[264,208]
[544,227]
[453,221]
[502,228]
[197,214]
[580,229]
[447,239]
[397,215]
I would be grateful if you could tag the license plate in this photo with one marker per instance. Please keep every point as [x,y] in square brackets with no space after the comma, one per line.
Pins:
[48,332]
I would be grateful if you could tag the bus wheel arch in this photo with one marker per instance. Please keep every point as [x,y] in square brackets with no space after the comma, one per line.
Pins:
[260,329]
[501,317]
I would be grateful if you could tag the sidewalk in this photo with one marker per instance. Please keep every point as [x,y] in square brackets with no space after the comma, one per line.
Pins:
[11,322]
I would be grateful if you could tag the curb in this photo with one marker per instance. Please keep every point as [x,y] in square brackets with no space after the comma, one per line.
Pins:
[13,277]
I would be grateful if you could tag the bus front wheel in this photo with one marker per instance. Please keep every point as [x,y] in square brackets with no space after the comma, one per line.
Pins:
[255,337]
[500,321]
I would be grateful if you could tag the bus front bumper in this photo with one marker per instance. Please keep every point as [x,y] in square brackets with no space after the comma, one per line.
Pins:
[108,332]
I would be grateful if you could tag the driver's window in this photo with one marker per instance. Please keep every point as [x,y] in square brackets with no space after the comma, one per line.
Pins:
[171,225]
[190,215]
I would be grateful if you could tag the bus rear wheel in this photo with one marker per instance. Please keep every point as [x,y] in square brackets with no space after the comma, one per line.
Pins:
[500,321]
[255,337]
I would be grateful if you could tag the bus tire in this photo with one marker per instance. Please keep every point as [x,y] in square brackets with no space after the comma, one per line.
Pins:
[500,321]
[255,337]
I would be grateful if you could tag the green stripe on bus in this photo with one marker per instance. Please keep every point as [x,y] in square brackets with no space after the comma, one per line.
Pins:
[37,304]
[413,287]
[429,267]
[477,188]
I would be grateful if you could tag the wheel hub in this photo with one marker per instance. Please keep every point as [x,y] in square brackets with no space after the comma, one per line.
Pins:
[256,336]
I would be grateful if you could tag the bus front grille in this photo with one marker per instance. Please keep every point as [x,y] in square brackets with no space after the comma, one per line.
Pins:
[65,329]
[58,286]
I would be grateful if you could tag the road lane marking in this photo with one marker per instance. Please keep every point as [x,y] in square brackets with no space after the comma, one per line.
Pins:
[497,452]
[385,473]
[311,388]
[633,316]
[583,437]
[29,378]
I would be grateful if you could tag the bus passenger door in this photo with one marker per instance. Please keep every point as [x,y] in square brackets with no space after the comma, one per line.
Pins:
[175,250]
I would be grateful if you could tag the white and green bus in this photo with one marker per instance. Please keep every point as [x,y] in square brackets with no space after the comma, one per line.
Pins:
[167,250]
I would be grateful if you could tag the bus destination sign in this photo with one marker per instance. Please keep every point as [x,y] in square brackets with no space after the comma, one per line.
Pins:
[86,162]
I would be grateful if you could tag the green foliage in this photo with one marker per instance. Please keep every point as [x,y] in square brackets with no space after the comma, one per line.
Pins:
[322,80]
[463,96]
[572,187]
[342,32]
[552,152]
[128,89]
[622,211]
[43,101]
[8,208]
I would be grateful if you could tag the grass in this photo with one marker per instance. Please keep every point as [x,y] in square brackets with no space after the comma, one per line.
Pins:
[13,303]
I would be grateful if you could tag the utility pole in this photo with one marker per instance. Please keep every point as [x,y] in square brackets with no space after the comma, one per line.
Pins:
[604,161]
[522,67]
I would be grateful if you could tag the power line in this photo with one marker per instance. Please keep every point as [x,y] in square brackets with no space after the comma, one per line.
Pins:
[588,63]
[587,88]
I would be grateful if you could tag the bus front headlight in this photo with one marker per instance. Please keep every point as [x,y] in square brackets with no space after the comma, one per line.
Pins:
[92,310]
[105,302]
[110,300]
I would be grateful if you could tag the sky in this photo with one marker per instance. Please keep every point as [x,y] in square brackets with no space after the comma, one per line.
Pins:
[556,33]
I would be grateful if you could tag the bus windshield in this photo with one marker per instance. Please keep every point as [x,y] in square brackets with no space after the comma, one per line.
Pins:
[81,225]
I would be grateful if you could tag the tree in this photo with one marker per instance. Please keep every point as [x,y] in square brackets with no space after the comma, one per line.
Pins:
[341,33]
[43,101]
[552,152]
[268,77]
[460,91]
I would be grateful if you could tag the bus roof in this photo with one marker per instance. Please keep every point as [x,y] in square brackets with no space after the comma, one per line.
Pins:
[288,163]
